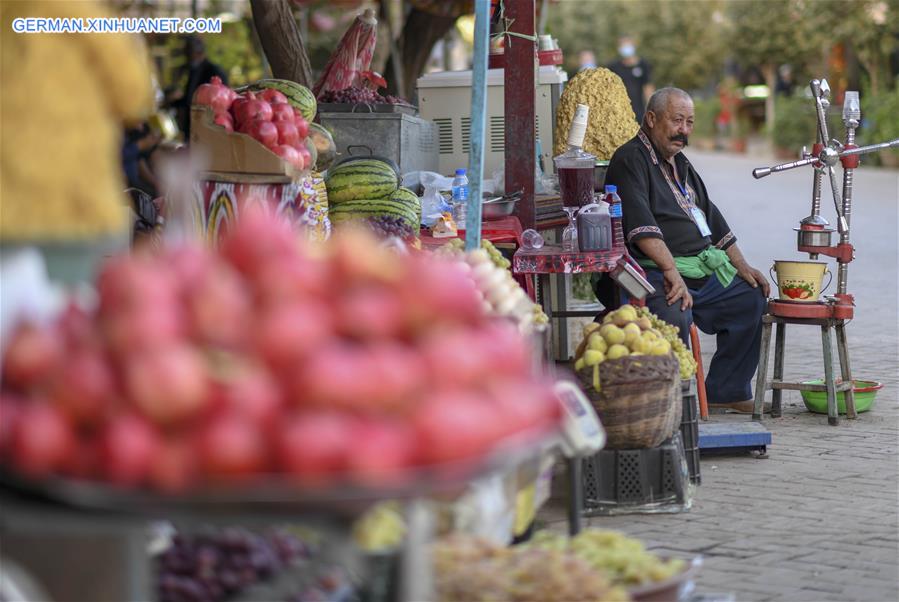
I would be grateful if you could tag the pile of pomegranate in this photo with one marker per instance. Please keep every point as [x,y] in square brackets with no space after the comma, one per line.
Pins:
[266,116]
[338,363]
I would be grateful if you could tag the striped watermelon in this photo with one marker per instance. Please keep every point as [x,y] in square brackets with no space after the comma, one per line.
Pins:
[361,179]
[298,95]
[404,195]
[363,208]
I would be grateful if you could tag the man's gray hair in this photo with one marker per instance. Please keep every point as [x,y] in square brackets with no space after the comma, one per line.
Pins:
[658,102]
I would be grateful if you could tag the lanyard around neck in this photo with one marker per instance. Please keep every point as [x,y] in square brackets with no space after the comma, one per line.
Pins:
[683,194]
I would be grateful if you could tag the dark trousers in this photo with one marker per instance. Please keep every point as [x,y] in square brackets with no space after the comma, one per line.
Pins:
[734,315]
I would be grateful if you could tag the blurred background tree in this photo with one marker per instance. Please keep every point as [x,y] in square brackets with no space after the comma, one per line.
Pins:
[676,37]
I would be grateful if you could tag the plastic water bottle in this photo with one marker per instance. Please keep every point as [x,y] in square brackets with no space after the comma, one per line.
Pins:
[615,214]
[460,197]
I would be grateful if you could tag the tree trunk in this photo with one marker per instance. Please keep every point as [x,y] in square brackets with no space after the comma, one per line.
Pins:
[281,41]
[420,32]
[770,73]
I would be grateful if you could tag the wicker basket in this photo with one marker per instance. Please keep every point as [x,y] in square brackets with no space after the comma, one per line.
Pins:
[639,401]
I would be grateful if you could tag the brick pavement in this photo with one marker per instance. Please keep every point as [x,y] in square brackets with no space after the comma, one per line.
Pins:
[819,518]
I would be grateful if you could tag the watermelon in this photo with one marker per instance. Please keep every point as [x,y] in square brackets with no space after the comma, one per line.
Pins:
[361,179]
[365,208]
[404,195]
[298,95]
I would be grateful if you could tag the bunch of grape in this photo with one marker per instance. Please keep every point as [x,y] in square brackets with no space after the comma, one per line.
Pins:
[456,246]
[623,559]
[670,332]
[385,226]
[212,566]
[495,255]
[355,95]
[469,569]
[352,96]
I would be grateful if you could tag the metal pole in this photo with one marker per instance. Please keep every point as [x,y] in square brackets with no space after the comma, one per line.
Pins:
[843,269]
[478,120]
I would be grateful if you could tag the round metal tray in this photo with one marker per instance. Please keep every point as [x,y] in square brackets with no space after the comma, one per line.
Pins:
[273,494]
[670,590]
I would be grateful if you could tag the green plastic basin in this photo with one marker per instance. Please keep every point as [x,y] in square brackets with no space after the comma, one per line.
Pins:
[865,391]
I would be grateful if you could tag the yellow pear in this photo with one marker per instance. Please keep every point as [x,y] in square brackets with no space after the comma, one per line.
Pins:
[607,319]
[612,334]
[616,351]
[638,345]
[631,333]
[649,336]
[625,314]
[589,328]
[644,323]
[661,347]
[597,342]
[633,353]
[593,357]
[580,364]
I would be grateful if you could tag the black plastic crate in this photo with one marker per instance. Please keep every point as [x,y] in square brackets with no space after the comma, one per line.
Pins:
[689,428]
[637,480]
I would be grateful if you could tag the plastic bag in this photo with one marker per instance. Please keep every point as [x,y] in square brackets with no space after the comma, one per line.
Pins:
[433,203]
[543,183]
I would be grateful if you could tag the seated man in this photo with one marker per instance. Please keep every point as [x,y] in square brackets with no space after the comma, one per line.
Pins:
[689,252]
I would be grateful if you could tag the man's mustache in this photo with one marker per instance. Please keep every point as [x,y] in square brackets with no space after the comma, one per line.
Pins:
[680,138]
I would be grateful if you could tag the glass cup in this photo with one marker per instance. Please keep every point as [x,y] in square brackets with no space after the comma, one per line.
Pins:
[531,239]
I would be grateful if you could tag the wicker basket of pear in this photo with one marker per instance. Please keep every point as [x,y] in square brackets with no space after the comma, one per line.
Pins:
[632,377]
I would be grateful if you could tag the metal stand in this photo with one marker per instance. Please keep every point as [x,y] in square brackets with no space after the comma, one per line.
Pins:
[777,384]
[575,495]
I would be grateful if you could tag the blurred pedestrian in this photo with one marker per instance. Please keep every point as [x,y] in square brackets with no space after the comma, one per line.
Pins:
[139,144]
[200,70]
[785,83]
[586,59]
[636,73]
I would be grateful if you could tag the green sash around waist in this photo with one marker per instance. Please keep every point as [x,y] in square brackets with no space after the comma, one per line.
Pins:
[711,261]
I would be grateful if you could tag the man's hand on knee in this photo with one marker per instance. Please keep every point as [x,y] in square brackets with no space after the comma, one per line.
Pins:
[675,289]
[754,277]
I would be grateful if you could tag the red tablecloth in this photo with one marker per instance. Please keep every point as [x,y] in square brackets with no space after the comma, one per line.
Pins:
[506,229]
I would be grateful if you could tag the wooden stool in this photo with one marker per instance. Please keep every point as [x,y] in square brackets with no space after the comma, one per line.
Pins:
[700,372]
[777,384]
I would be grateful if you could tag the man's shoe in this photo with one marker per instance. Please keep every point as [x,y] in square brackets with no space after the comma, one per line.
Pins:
[738,407]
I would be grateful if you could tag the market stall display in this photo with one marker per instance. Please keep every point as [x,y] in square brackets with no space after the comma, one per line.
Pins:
[202,368]
[594,565]
[238,121]
[259,147]
[502,295]
[225,564]
[630,373]
[365,190]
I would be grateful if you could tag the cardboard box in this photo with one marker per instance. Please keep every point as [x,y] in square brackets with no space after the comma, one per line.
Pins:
[233,152]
